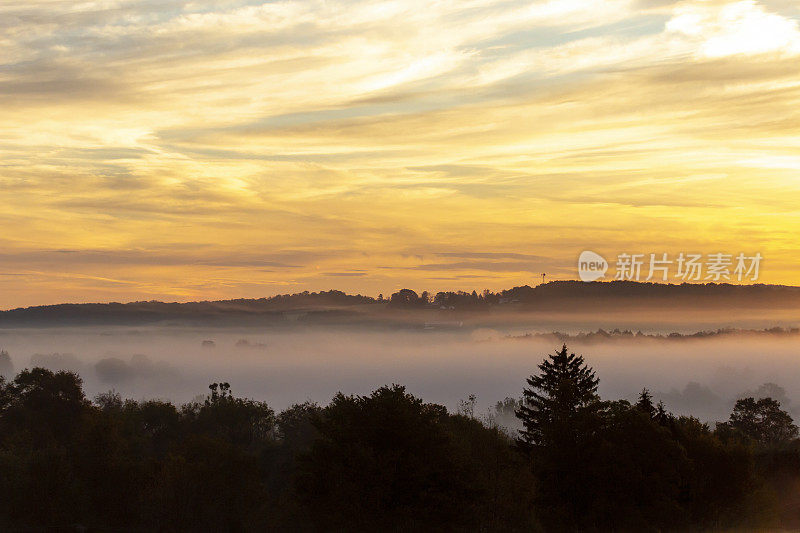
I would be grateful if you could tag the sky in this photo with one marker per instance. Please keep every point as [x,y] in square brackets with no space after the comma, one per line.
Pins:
[161,149]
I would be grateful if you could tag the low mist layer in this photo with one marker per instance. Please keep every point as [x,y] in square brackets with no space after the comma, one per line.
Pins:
[701,376]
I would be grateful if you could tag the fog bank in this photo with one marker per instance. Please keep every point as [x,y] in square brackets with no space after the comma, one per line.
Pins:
[702,376]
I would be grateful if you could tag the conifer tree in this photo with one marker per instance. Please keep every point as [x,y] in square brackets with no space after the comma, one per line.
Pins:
[645,403]
[565,388]
[662,416]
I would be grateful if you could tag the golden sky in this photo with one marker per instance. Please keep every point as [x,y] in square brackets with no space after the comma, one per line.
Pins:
[160,149]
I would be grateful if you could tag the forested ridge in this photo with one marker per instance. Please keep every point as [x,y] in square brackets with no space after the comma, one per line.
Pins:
[337,306]
[389,461]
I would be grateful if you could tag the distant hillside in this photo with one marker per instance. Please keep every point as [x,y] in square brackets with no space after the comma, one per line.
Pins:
[604,294]
[285,307]
[577,296]
[336,306]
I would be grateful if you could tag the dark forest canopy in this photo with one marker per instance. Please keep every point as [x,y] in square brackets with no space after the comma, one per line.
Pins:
[389,461]
[336,305]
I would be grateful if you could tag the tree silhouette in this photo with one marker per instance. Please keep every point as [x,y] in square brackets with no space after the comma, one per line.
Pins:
[404,298]
[467,407]
[645,403]
[661,416]
[763,421]
[565,388]
[6,367]
[382,462]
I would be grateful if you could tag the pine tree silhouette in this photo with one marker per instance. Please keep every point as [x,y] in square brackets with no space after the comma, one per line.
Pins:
[662,416]
[645,403]
[565,388]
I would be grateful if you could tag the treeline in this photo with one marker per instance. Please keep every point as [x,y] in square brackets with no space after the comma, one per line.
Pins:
[555,295]
[613,465]
[235,310]
[568,295]
[602,335]
[388,462]
[311,299]
[457,299]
